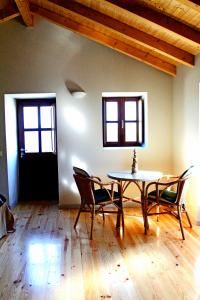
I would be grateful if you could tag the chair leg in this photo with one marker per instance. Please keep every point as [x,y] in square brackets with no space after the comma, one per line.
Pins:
[122,220]
[188,218]
[103,214]
[180,221]
[157,211]
[146,223]
[77,218]
[92,222]
[145,215]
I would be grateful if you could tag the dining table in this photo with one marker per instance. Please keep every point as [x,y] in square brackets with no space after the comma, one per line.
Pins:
[140,179]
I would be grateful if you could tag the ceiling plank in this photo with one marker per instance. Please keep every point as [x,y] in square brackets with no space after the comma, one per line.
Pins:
[194,4]
[105,39]
[3,3]
[130,32]
[195,1]
[23,6]
[160,19]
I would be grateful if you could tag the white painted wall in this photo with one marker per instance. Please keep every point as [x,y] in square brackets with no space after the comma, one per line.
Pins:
[45,59]
[186,134]
[11,146]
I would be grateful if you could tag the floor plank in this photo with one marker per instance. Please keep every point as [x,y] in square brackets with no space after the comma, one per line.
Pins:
[45,258]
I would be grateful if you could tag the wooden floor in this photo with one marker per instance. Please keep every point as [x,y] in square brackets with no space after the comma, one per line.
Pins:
[46,259]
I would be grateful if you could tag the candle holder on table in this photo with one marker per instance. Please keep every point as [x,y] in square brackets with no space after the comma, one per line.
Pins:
[134,167]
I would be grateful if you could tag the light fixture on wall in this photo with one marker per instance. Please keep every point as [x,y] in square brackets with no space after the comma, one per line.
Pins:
[78,94]
[75,90]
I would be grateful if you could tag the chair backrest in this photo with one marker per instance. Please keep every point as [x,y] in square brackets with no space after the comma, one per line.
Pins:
[81,172]
[183,185]
[187,172]
[84,186]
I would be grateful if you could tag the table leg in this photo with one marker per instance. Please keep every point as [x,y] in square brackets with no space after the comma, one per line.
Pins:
[144,208]
[120,204]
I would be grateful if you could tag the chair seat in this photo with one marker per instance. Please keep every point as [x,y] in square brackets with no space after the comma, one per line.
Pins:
[101,195]
[167,196]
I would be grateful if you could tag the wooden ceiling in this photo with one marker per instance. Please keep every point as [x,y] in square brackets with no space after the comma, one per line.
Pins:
[160,33]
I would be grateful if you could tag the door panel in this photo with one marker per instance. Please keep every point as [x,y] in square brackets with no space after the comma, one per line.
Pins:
[38,170]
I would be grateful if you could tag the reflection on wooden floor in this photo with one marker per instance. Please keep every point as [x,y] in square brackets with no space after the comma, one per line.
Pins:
[46,259]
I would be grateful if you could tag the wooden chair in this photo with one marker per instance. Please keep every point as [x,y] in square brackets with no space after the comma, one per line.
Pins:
[168,196]
[94,200]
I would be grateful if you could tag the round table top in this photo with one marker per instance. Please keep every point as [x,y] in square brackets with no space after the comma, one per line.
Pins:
[141,175]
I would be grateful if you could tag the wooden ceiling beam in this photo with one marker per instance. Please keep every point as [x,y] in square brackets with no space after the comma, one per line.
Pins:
[104,39]
[138,36]
[8,14]
[160,19]
[23,6]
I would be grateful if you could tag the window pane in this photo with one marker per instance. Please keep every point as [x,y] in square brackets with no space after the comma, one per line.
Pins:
[140,120]
[130,110]
[111,111]
[31,141]
[47,117]
[30,117]
[47,141]
[130,132]
[112,132]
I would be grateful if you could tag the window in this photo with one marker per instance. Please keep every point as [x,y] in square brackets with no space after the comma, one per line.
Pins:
[37,126]
[123,121]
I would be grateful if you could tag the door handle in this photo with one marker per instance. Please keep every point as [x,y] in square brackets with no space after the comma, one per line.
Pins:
[22,152]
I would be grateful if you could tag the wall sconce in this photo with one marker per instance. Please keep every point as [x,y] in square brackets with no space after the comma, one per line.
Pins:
[75,90]
[78,94]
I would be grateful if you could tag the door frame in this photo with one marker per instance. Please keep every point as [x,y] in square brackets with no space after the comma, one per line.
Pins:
[10,185]
[38,171]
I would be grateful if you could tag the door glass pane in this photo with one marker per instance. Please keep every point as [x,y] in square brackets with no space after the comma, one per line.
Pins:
[47,141]
[112,132]
[111,111]
[47,117]
[140,110]
[130,132]
[31,141]
[130,111]
[140,132]
[30,117]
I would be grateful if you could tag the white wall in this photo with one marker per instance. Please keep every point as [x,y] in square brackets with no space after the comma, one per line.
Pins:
[45,59]
[11,146]
[186,135]
[3,160]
